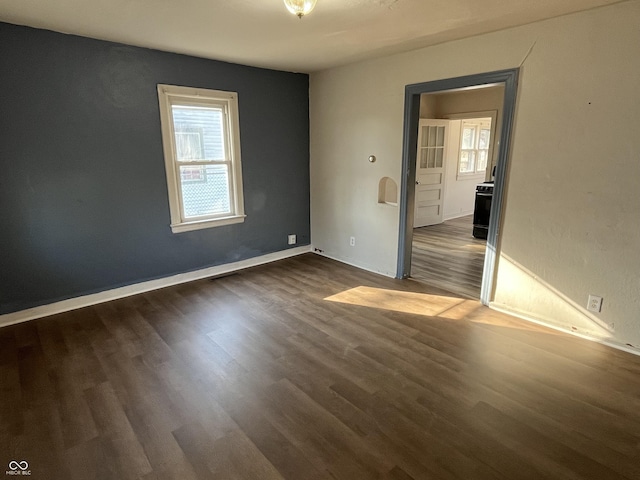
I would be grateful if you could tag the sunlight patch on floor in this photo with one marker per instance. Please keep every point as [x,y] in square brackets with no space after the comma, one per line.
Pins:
[405,302]
[441,306]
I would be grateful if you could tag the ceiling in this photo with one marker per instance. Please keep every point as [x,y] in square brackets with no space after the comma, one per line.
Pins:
[263,33]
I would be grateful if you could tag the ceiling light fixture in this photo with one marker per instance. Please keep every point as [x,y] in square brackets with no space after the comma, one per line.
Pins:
[300,7]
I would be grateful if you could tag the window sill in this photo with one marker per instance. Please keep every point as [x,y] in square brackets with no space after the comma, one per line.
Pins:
[461,177]
[209,223]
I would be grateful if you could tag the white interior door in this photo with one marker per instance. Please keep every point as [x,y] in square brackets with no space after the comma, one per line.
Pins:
[430,169]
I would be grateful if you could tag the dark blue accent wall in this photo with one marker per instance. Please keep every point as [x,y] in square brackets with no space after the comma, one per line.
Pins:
[83,196]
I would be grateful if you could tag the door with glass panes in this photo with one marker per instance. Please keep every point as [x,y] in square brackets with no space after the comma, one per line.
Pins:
[430,167]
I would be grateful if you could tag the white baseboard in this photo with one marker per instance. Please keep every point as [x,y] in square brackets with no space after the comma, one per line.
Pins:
[526,317]
[457,215]
[322,254]
[127,291]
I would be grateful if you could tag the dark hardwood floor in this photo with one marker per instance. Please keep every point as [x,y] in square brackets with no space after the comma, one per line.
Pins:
[448,256]
[310,369]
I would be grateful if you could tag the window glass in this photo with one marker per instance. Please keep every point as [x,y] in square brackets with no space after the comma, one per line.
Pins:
[475,141]
[468,137]
[483,142]
[209,195]
[200,131]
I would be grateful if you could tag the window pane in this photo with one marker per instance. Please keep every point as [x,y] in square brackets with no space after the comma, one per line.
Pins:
[432,158]
[472,160]
[468,137]
[198,133]
[467,161]
[439,152]
[425,136]
[423,157]
[464,162]
[482,160]
[206,193]
[483,141]
[189,146]
[440,137]
[432,136]
[196,173]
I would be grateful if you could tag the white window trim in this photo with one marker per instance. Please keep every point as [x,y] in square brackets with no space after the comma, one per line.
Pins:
[493,114]
[167,96]
[477,126]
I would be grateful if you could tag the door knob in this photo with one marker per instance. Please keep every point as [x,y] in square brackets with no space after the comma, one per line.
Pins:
[417,182]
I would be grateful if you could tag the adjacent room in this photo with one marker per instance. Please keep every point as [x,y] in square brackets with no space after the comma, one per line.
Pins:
[300,239]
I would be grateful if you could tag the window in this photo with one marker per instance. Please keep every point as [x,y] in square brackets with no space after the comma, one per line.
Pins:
[201,141]
[475,136]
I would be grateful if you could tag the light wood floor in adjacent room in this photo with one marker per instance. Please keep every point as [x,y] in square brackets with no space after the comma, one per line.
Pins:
[309,369]
[448,256]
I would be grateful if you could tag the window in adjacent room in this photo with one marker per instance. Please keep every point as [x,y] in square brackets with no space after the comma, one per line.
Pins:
[201,141]
[475,139]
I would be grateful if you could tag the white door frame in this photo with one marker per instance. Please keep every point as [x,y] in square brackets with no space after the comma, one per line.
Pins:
[407,178]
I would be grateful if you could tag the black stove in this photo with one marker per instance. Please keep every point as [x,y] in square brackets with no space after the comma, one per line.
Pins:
[482,210]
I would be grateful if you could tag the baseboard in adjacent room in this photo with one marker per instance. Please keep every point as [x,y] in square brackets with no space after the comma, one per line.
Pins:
[457,215]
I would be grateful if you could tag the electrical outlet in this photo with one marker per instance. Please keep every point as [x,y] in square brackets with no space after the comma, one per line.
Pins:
[594,304]
[352,241]
[292,239]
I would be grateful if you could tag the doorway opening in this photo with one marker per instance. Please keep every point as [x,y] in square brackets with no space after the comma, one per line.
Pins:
[447,256]
[419,99]
[456,151]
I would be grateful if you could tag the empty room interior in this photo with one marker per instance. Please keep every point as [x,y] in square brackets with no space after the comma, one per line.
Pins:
[391,239]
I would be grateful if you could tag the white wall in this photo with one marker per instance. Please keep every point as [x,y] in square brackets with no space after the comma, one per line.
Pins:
[571,225]
[480,100]
[459,192]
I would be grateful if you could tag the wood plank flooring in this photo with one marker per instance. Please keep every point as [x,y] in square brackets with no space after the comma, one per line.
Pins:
[310,369]
[448,256]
